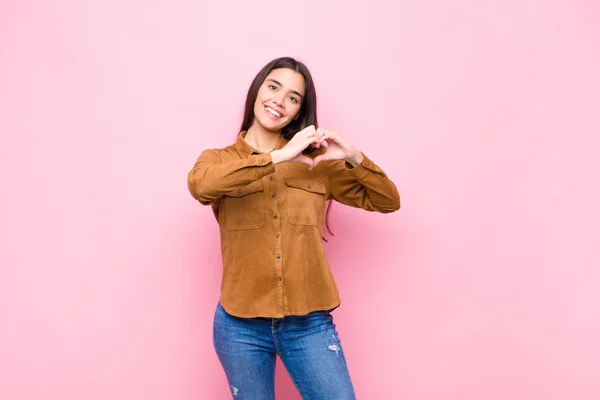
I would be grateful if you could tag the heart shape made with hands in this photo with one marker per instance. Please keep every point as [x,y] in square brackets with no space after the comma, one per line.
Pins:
[328,148]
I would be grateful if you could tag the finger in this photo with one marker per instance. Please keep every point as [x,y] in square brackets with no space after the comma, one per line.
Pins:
[318,159]
[324,131]
[307,161]
[305,133]
[304,142]
[319,135]
[321,132]
[309,140]
[329,136]
[309,130]
[315,141]
[311,136]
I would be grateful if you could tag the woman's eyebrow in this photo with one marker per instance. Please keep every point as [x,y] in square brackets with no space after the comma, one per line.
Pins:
[279,83]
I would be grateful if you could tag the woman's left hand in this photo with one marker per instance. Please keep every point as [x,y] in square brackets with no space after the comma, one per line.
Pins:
[337,148]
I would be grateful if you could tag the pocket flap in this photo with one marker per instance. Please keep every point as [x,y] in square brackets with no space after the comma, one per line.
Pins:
[254,187]
[306,184]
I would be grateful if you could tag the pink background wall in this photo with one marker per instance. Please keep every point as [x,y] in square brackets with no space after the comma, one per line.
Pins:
[485,285]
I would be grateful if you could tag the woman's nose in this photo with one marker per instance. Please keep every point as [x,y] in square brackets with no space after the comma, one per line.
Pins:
[278,100]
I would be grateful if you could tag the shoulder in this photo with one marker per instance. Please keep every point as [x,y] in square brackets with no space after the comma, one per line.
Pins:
[223,154]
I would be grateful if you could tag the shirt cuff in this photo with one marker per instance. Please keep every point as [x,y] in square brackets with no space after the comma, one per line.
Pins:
[262,159]
[365,168]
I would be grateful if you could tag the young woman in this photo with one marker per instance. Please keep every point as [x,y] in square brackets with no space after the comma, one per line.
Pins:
[269,191]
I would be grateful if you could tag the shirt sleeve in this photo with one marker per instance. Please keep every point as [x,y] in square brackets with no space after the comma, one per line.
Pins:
[365,186]
[211,178]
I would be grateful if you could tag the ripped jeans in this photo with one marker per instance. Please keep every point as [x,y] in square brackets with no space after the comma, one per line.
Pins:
[309,347]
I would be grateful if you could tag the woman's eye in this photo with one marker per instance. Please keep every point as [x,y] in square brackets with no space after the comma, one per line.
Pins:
[293,99]
[272,87]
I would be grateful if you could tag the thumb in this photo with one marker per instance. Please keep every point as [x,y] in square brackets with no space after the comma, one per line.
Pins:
[318,159]
[307,161]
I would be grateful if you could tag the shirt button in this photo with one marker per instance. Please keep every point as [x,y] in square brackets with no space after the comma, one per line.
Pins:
[275,216]
[271,178]
[273,195]
[279,278]
[308,186]
[278,255]
[239,191]
[277,235]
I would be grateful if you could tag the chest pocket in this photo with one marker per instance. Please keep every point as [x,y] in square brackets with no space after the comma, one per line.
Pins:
[306,200]
[244,208]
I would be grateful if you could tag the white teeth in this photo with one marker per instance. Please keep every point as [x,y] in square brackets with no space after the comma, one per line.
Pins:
[275,113]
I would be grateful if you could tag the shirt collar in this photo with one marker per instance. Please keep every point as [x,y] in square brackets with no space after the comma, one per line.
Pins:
[244,149]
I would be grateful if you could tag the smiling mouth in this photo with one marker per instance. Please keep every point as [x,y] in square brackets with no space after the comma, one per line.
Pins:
[273,112]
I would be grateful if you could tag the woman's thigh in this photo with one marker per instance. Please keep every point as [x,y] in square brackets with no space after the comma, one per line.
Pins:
[246,350]
[311,351]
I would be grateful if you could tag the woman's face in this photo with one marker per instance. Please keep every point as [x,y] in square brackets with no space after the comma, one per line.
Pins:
[279,99]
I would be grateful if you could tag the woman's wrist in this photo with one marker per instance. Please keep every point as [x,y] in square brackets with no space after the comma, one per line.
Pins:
[277,157]
[356,159]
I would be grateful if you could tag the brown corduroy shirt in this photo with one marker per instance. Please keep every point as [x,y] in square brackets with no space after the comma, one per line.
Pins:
[271,222]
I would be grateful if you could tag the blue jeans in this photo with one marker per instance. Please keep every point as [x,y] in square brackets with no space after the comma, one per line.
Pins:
[309,347]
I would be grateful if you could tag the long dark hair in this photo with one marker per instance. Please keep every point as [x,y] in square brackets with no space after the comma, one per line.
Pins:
[308,110]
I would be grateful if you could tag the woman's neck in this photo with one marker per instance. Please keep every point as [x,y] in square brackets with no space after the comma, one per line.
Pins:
[262,139]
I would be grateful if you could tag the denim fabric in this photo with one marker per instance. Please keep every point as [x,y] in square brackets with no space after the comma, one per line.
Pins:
[309,347]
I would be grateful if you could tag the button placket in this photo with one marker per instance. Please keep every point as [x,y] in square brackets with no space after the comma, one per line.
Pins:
[272,186]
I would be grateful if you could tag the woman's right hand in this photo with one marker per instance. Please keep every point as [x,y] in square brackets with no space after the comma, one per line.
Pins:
[292,152]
